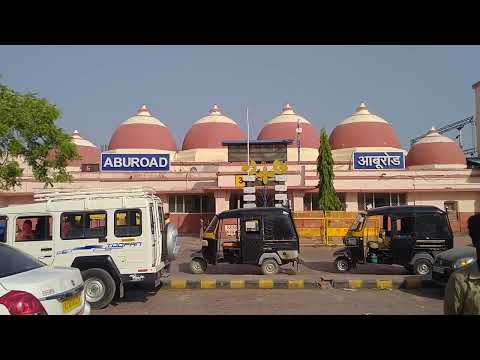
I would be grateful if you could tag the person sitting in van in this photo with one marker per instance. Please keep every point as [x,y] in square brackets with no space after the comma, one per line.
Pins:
[27,232]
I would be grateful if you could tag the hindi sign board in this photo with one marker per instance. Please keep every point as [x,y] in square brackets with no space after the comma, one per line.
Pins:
[135,162]
[389,160]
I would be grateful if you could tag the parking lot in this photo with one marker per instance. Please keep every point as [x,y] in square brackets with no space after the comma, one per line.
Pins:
[317,264]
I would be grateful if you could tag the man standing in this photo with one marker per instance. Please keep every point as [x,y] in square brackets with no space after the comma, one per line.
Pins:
[462,295]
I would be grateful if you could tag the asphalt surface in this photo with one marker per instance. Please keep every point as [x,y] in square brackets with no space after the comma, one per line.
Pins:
[278,302]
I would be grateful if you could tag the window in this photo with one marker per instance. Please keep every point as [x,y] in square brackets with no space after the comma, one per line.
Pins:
[311,201]
[33,228]
[3,229]
[192,204]
[208,204]
[279,227]
[252,225]
[13,261]
[451,207]
[373,200]
[434,226]
[128,223]
[83,225]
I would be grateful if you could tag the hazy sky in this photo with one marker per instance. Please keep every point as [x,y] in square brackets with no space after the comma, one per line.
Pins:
[98,87]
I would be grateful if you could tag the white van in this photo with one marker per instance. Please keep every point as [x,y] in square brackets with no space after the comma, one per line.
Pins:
[113,237]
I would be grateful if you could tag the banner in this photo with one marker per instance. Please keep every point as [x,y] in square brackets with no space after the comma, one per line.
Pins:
[391,160]
[135,162]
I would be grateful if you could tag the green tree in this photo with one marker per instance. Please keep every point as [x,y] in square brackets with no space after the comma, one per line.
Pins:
[329,200]
[29,137]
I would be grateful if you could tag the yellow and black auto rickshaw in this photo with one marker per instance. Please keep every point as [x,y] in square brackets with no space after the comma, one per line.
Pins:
[265,237]
[411,236]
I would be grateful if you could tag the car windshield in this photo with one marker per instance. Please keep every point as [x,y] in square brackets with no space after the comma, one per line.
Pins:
[13,261]
[358,223]
[213,224]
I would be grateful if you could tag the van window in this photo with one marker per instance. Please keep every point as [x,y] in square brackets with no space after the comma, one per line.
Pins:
[3,229]
[33,228]
[128,223]
[83,225]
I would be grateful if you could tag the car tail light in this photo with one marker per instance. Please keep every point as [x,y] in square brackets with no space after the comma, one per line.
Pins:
[22,303]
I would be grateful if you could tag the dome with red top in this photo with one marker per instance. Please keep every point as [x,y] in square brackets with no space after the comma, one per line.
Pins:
[88,152]
[142,132]
[284,126]
[211,131]
[363,129]
[435,151]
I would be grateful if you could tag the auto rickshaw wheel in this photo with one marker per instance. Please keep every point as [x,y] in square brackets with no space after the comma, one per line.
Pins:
[422,267]
[342,264]
[198,266]
[270,267]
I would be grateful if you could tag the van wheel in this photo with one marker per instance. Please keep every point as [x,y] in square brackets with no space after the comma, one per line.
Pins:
[198,266]
[422,267]
[99,287]
[270,267]
[342,264]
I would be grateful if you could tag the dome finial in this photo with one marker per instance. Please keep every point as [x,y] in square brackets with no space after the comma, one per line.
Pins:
[144,111]
[215,110]
[362,107]
[287,109]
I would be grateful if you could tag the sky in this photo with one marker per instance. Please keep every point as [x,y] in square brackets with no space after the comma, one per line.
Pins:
[98,87]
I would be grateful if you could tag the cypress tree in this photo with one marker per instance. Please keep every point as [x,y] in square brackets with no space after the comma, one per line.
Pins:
[329,200]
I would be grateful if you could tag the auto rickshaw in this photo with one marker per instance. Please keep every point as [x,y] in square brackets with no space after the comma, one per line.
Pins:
[410,236]
[265,237]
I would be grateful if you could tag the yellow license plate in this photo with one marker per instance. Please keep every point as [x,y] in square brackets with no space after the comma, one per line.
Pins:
[71,303]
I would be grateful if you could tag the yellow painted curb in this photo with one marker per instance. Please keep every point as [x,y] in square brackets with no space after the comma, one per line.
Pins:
[237,284]
[265,284]
[208,284]
[355,284]
[384,284]
[413,283]
[178,284]
[295,284]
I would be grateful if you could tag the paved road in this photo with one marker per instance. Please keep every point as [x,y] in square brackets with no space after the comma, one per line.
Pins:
[278,302]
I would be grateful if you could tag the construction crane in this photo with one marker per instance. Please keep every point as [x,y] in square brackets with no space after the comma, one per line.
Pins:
[458,125]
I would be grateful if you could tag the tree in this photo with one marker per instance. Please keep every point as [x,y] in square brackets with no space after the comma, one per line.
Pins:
[329,200]
[28,135]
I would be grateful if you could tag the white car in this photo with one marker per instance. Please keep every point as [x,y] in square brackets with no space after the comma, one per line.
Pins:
[30,287]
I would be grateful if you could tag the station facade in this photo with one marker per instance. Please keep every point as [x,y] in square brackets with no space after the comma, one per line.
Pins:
[201,179]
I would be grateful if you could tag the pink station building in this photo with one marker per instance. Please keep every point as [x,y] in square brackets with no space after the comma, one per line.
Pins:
[201,180]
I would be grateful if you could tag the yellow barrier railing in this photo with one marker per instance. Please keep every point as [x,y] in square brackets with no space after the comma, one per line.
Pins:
[329,228]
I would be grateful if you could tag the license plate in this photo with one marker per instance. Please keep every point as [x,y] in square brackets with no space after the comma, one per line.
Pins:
[439,269]
[71,303]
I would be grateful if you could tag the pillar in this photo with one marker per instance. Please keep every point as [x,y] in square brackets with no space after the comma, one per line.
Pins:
[298,201]
[351,201]
[222,201]
[476,88]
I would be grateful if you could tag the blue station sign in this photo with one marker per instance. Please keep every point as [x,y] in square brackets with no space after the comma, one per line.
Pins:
[135,162]
[390,160]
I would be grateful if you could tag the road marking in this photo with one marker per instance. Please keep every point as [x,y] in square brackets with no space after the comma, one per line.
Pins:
[208,284]
[296,284]
[178,284]
[237,284]
[265,284]
[384,284]
[355,284]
